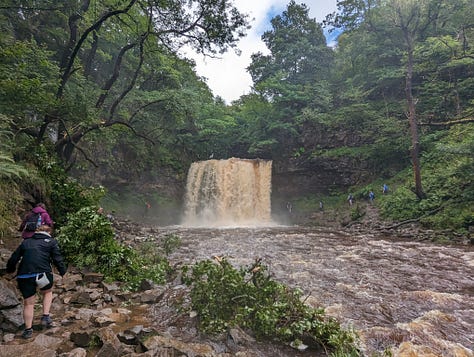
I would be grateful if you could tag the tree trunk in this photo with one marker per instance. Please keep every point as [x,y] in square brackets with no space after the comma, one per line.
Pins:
[415,142]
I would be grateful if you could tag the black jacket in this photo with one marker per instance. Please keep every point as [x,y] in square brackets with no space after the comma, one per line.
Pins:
[36,254]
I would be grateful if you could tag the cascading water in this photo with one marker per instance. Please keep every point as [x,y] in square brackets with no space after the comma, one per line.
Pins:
[233,192]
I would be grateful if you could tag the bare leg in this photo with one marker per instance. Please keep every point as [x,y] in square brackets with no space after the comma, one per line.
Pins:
[47,300]
[29,311]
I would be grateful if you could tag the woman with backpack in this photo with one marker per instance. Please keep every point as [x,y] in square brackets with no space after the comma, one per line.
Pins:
[36,256]
[37,217]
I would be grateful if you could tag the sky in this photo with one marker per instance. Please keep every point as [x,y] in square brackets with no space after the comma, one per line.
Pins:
[227,76]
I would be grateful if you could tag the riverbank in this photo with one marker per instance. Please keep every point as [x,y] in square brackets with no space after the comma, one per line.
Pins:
[364,218]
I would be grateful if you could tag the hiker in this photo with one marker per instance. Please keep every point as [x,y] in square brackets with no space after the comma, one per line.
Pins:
[34,271]
[371,196]
[384,189]
[321,206]
[350,199]
[147,208]
[37,217]
[289,207]
[110,216]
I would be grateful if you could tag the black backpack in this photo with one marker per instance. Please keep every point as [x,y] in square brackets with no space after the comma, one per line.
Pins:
[33,221]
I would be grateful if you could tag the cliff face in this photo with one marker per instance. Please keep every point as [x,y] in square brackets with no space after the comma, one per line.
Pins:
[297,177]
[314,172]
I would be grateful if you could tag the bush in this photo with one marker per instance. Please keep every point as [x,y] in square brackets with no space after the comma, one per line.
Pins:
[225,297]
[10,199]
[87,241]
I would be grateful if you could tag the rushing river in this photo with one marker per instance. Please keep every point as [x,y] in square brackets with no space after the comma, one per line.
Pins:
[413,298]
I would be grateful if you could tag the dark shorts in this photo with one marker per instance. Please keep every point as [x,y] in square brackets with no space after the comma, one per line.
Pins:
[28,286]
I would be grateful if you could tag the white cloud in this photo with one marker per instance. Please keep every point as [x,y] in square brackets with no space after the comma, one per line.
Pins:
[227,76]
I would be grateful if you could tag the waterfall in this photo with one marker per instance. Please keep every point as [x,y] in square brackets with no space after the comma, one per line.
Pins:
[233,192]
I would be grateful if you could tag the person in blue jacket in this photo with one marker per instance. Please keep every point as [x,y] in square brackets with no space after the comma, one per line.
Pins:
[36,256]
[371,196]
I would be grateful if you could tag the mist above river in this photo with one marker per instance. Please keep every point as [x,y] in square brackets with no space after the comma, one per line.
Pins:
[404,296]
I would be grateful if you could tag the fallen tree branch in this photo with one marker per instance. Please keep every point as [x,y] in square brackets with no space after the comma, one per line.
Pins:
[413,220]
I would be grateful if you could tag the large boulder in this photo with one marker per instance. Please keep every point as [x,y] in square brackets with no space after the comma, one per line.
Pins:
[11,319]
[8,297]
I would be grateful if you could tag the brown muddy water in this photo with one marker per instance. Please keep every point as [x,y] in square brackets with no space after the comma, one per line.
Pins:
[410,298]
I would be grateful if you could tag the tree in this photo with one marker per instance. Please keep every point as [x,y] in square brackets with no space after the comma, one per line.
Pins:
[104,51]
[294,75]
[402,26]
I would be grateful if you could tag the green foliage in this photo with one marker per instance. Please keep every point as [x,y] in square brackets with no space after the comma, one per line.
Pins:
[357,213]
[88,241]
[9,169]
[224,296]
[67,195]
[448,171]
[27,81]
[9,204]
[170,243]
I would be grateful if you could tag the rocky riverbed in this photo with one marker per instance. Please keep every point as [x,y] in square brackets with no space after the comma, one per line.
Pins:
[96,318]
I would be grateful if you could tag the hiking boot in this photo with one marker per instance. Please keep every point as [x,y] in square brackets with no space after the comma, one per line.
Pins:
[28,333]
[46,321]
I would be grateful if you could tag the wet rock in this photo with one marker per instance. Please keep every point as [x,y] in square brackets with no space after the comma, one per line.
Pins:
[81,339]
[107,298]
[123,311]
[77,352]
[48,341]
[107,311]
[84,314]
[95,294]
[8,298]
[237,338]
[81,298]
[8,337]
[93,278]
[151,296]
[31,349]
[69,281]
[159,344]
[4,256]
[111,345]
[102,321]
[11,319]
[110,287]
[128,338]
[146,284]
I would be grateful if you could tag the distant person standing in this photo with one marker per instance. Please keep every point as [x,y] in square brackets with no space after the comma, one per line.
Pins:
[321,206]
[371,196]
[350,199]
[36,255]
[289,207]
[384,189]
[38,216]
